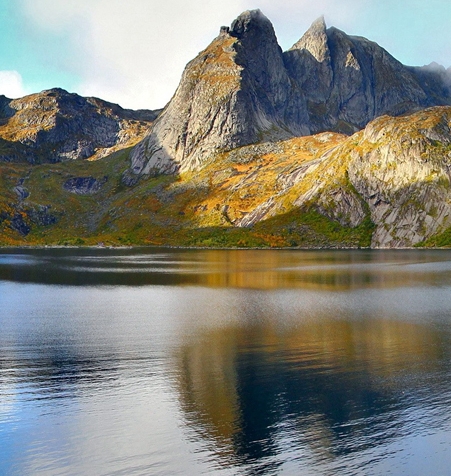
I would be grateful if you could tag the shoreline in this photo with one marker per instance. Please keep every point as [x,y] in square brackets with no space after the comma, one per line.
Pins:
[172,247]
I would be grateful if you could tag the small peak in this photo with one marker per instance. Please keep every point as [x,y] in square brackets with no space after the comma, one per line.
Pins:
[314,40]
[55,92]
[435,67]
[224,30]
[319,24]
[250,20]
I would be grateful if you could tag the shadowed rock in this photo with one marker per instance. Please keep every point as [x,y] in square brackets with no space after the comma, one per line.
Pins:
[242,89]
[55,126]
[348,80]
[84,185]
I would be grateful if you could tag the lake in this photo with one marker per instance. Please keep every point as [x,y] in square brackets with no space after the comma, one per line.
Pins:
[241,362]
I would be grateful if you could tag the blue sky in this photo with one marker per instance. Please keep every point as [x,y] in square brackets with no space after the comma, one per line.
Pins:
[133,51]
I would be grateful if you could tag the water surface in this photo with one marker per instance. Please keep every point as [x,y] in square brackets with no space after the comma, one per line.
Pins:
[225,362]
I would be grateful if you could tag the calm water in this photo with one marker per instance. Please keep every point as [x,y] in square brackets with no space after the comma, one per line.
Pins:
[169,362]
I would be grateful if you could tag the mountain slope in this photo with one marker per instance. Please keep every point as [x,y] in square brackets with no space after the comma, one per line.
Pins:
[230,162]
[385,186]
[55,126]
[242,89]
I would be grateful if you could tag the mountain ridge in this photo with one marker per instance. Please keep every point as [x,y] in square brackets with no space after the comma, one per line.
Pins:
[55,125]
[332,143]
[328,81]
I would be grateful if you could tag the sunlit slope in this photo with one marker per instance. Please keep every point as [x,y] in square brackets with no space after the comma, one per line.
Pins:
[55,126]
[386,186]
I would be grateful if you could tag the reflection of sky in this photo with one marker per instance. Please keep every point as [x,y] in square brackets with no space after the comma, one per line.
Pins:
[68,417]
[191,379]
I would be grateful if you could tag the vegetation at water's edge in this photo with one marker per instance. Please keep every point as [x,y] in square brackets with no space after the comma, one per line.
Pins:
[158,211]
[439,240]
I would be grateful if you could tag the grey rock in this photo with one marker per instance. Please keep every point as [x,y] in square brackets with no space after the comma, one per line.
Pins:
[236,92]
[21,192]
[55,126]
[348,81]
[259,213]
[84,185]
[404,177]
[42,216]
[22,219]
[128,179]
[342,206]
[18,224]
[242,89]
[398,170]
[244,155]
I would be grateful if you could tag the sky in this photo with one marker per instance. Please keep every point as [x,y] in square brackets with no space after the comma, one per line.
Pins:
[133,52]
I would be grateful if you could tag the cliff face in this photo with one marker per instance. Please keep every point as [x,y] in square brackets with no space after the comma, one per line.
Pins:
[55,126]
[348,81]
[401,168]
[242,89]
[396,172]
[237,91]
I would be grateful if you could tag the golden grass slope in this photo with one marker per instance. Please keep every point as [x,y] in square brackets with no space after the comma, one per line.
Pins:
[385,186]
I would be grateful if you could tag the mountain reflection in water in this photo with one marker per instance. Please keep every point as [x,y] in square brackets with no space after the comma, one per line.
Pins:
[252,269]
[324,389]
[225,362]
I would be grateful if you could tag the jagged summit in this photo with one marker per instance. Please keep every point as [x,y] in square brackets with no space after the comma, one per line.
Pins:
[248,22]
[251,20]
[243,89]
[235,92]
[315,41]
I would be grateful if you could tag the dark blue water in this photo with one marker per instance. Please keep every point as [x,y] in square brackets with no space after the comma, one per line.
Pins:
[138,362]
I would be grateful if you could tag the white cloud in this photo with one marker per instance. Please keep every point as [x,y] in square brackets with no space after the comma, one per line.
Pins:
[133,52]
[11,84]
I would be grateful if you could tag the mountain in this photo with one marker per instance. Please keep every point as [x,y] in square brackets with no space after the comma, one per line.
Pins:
[235,92]
[385,186]
[348,81]
[333,143]
[55,126]
[243,89]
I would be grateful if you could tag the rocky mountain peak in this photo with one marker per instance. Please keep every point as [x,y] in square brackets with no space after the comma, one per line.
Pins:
[254,32]
[251,22]
[315,41]
[235,92]
[243,89]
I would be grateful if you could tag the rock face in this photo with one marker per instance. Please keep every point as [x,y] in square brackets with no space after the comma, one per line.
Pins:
[397,170]
[237,91]
[84,185]
[55,126]
[348,81]
[242,89]
[402,170]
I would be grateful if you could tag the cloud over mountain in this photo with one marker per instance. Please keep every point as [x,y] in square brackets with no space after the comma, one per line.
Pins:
[11,84]
[133,52]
